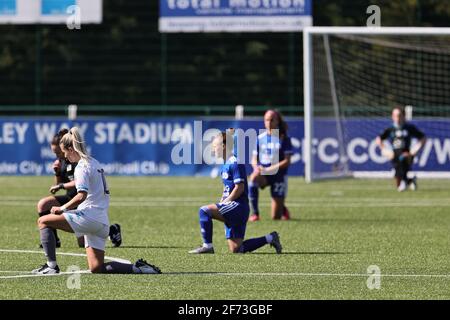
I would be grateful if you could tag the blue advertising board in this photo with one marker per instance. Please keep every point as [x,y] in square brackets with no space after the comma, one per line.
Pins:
[50,11]
[234,15]
[7,7]
[56,6]
[362,152]
[177,147]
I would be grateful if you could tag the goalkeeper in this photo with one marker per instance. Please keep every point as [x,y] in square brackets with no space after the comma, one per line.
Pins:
[400,134]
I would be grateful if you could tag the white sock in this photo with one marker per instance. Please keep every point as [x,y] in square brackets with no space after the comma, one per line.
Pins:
[269,238]
[207,245]
[51,264]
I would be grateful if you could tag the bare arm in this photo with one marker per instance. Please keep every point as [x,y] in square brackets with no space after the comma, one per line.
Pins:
[57,170]
[59,186]
[72,204]
[254,163]
[418,147]
[380,142]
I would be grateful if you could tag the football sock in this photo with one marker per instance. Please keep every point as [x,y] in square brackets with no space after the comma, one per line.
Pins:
[44,213]
[206,225]
[253,244]
[253,193]
[48,241]
[119,268]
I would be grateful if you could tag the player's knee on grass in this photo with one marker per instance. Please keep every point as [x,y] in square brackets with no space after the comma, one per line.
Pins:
[235,245]
[239,249]
[276,216]
[277,213]
[277,209]
[97,268]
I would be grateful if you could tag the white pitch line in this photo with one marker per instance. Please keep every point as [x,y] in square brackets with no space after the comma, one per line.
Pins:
[63,254]
[271,274]
[293,205]
[252,274]
[47,275]
[296,274]
[43,275]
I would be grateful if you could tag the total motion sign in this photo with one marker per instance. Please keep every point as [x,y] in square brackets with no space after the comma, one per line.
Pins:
[49,11]
[234,15]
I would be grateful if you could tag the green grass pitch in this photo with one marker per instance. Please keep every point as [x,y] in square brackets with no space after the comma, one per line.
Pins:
[338,230]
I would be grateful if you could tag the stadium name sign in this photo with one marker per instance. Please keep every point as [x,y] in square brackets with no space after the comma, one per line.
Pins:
[234,15]
[182,146]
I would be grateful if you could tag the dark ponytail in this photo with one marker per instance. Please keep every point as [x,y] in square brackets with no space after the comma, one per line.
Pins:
[282,125]
[229,145]
[57,137]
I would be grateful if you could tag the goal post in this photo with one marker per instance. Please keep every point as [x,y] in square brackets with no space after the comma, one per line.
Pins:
[353,77]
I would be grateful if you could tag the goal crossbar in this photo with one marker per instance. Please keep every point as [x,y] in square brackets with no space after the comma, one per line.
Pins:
[378,30]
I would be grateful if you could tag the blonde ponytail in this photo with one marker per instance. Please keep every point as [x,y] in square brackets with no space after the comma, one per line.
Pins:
[73,139]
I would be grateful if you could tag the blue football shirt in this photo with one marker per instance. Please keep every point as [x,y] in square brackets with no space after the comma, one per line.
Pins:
[233,173]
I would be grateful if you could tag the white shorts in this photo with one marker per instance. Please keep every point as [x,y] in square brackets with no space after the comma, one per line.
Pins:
[95,233]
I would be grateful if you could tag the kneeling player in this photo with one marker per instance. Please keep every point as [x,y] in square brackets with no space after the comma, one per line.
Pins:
[90,218]
[271,160]
[64,180]
[400,135]
[233,210]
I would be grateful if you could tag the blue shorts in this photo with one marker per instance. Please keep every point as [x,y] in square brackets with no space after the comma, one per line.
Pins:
[278,185]
[236,217]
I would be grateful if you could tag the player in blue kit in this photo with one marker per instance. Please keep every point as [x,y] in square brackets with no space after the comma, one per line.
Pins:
[270,162]
[233,209]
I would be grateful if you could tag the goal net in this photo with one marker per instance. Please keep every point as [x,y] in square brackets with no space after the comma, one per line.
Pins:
[354,77]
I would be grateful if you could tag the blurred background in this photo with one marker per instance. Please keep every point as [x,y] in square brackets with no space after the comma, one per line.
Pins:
[125,65]
[133,84]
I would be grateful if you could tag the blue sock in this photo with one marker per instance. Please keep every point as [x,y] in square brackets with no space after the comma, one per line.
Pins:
[253,244]
[253,193]
[206,225]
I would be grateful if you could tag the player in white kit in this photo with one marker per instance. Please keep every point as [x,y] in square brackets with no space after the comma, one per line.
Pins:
[90,218]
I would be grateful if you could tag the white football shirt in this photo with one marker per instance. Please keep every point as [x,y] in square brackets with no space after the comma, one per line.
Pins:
[90,177]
